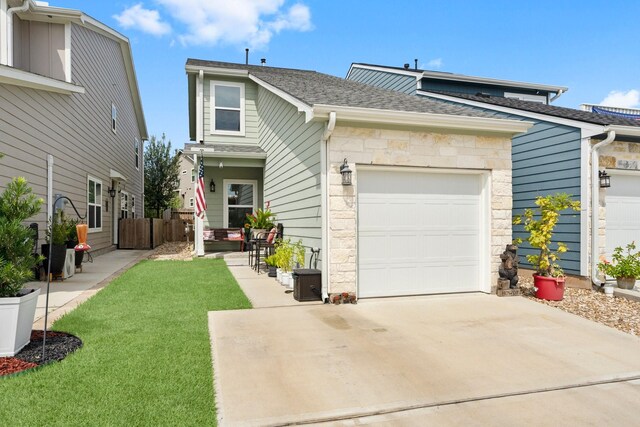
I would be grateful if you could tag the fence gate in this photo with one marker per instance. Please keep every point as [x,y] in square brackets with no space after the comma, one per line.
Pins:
[147,233]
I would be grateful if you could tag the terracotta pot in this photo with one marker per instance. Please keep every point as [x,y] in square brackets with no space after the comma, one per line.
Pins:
[549,288]
[626,282]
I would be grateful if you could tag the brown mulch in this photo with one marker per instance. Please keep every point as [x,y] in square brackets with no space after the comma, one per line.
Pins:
[620,313]
[57,347]
[181,251]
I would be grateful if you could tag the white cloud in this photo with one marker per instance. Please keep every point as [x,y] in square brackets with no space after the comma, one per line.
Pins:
[616,98]
[241,22]
[145,20]
[435,63]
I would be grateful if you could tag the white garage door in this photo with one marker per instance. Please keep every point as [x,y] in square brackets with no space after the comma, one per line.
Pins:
[418,233]
[623,212]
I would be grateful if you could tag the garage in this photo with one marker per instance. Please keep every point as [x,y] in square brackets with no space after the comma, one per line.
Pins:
[623,205]
[420,231]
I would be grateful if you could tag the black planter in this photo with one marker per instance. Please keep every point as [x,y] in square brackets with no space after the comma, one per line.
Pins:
[58,256]
[79,256]
[71,244]
[273,271]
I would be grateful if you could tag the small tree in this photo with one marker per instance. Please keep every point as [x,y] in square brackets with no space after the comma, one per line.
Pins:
[540,225]
[17,203]
[161,172]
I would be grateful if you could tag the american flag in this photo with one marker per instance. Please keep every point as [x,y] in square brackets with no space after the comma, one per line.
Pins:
[201,202]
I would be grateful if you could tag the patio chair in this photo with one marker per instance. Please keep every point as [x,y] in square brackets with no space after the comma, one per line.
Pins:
[264,245]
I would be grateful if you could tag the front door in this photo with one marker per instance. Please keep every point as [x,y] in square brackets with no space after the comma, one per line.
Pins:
[240,199]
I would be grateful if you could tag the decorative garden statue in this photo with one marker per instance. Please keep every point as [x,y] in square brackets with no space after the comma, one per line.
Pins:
[508,270]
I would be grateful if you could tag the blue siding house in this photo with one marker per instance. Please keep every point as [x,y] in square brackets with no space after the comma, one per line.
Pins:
[552,156]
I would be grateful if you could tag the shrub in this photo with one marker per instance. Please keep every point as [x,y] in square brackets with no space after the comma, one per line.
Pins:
[17,203]
[623,265]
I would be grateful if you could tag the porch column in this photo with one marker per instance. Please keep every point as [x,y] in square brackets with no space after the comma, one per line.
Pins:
[198,237]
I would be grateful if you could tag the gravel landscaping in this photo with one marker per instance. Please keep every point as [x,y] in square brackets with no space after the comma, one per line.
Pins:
[615,312]
[181,251]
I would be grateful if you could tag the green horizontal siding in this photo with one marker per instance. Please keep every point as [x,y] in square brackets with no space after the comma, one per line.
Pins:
[292,167]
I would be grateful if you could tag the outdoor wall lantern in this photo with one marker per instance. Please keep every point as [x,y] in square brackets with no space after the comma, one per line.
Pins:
[605,179]
[346,173]
[112,192]
[212,186]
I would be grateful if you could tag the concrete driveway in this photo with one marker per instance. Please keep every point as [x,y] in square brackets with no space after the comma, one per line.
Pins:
[442,360]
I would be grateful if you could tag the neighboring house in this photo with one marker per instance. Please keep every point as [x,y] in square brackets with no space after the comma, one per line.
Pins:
[71,119]
[429,207]
[186,180]
[553,156]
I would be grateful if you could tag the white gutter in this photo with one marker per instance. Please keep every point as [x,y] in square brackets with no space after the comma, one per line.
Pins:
[10,12]
[556,96]
[626,130]
[324,190]
[595,206]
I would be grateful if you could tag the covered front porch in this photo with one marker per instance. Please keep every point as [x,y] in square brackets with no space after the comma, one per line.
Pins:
[233,177]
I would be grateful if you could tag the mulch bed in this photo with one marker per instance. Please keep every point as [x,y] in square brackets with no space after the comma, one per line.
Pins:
[57,347]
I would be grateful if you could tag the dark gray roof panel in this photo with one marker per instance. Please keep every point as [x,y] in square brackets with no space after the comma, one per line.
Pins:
[315,88]
[550,110]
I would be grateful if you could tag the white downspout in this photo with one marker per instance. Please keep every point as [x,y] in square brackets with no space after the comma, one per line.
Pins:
[324,188]
[556,96]
[49,187]
[595,205]
[10,12]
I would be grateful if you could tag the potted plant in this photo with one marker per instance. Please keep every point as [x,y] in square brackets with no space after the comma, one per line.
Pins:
[625,268]
[549,279]
[260,222]
[284,255]
[271,263]
[56,247]
[17,261]
[299,252]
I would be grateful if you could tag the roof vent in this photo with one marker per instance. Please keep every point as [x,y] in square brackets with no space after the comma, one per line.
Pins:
[416,62]
[263,61]
[406,66]
[246,56]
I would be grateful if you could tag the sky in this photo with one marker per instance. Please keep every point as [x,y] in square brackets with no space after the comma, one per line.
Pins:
[586,45]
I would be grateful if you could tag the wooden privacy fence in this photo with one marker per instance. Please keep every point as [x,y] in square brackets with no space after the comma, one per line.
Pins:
[147,233]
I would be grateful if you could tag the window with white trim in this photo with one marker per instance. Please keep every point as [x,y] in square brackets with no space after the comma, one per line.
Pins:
[227,108]
[133,206]
[94,204]
[136,150]
[193,175]
[124,204]
[114,117]
[191,202]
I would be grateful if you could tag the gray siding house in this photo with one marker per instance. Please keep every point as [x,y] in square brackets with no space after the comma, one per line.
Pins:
[71,119]
[427,211]
[554,155]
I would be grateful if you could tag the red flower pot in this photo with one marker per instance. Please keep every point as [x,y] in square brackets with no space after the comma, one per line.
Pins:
[549,288]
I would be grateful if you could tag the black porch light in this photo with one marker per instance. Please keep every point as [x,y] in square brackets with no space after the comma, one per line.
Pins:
[346,173]
[605,179]
[212,186]
[112,192]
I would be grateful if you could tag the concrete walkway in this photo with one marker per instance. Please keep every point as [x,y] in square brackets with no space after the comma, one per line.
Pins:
[67,294]
[442,360]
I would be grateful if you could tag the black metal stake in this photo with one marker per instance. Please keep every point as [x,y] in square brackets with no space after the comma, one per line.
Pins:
[46,306]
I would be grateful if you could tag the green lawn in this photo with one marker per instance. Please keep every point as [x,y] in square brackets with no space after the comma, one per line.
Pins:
[146,358]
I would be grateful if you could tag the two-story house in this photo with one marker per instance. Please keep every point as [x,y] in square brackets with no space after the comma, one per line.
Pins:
[71,118]
[428,206]
[560,153]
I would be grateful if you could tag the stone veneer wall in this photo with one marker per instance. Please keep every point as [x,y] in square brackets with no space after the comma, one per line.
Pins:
[364,146]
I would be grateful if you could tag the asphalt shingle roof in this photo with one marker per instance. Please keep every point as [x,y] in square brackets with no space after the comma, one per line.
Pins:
[315,88]
[550,110]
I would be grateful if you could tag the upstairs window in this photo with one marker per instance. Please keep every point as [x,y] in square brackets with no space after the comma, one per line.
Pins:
[193,175]
[227,108]
[136,150]
[114,117]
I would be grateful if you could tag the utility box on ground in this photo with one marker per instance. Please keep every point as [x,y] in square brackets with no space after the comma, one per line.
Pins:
[307,284]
